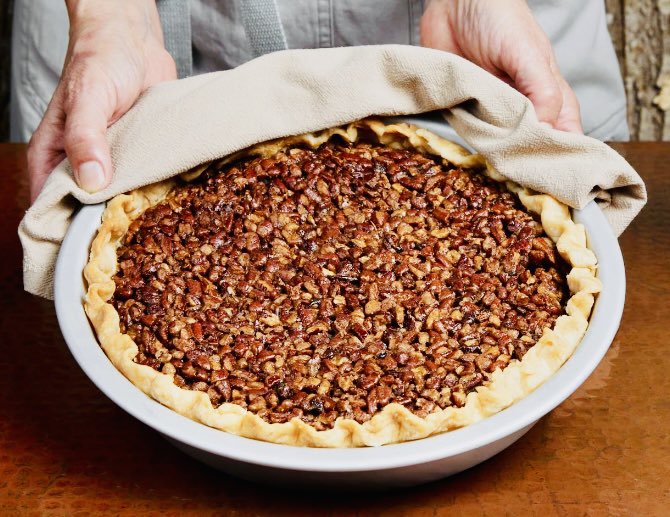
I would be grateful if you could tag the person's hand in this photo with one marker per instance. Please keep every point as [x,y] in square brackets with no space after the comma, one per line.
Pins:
[503,38]
[115,52]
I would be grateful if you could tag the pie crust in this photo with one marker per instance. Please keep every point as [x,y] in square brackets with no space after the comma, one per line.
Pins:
[394,423]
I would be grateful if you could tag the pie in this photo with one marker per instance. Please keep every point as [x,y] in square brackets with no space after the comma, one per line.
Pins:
[363,285]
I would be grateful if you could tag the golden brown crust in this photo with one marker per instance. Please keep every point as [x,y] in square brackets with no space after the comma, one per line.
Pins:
[394,423]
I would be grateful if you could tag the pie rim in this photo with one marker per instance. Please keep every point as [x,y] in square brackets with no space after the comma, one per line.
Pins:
[394,423]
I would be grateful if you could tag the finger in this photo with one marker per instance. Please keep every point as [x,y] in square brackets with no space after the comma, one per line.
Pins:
[45,149]
[435,31]
[569,119]
[88,112]
[534,77]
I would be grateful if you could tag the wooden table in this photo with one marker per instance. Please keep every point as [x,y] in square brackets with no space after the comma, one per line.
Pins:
[66,449]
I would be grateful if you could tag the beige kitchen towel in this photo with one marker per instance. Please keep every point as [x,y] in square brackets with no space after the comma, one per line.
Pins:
[177,125]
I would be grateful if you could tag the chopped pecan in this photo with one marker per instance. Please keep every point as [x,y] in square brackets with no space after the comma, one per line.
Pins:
[328,283]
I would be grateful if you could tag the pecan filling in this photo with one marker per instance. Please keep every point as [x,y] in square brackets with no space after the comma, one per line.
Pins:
[329,283]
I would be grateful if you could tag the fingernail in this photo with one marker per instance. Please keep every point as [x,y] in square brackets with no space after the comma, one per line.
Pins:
[90,176]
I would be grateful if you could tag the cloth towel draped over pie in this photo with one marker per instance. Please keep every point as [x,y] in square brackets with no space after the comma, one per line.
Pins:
[178,125]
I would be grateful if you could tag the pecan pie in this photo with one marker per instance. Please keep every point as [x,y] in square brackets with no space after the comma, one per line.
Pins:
[363,285]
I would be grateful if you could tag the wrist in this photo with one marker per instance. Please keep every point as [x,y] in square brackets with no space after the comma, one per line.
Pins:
[133,19]
[91,9]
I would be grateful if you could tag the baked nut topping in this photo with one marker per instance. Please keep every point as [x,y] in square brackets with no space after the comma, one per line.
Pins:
[328,283]
[339,288]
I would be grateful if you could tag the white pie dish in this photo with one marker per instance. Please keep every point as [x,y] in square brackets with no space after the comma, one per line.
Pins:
[406,463]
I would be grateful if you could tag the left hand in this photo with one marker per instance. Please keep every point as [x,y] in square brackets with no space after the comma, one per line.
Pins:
[503,38]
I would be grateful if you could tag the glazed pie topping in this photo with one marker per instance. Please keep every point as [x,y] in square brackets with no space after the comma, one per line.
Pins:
[328,283]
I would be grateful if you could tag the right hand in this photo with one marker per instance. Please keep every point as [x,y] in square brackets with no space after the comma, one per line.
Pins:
[115,52]
[505,39]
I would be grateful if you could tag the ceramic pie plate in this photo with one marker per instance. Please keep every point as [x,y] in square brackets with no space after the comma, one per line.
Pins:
[406,463]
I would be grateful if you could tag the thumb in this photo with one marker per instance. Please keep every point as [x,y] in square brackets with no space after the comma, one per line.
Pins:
[535,78]
[85,140]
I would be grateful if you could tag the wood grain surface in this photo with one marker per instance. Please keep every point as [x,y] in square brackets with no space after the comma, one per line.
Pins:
[640,30]
[65,449]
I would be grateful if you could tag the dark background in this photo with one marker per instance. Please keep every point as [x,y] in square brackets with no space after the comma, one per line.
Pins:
[640,30]
[5,45]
